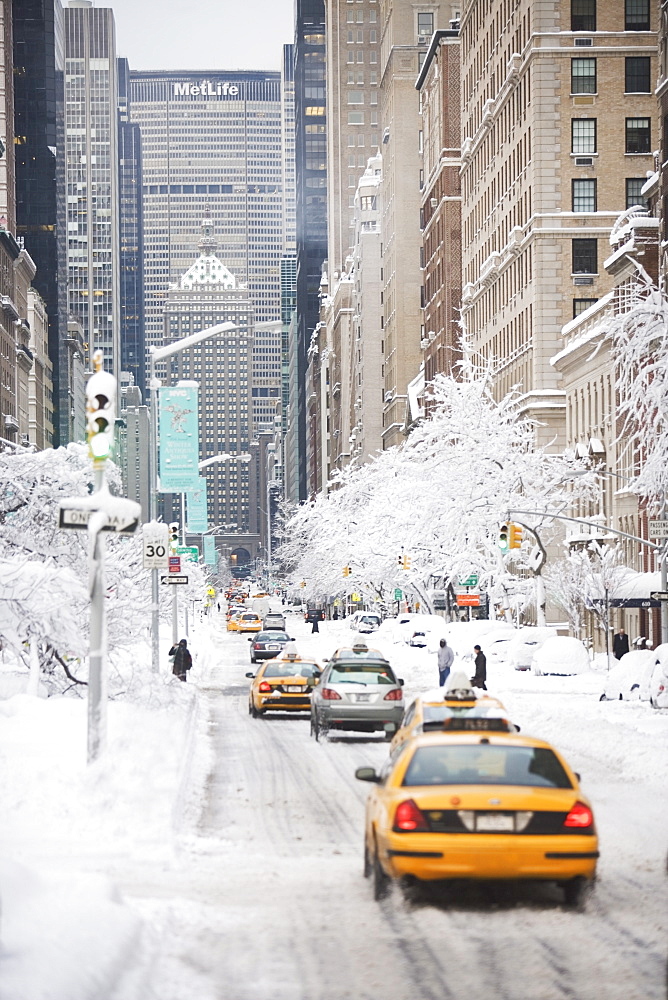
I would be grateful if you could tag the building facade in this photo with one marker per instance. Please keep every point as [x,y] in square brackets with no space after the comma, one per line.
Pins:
[559,123]
[211,139]
[91,178]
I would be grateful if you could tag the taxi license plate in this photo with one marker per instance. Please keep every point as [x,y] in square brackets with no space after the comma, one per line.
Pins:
[294,688]
[494,822]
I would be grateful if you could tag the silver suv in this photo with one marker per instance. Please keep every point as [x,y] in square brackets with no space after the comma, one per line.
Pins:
[357,693]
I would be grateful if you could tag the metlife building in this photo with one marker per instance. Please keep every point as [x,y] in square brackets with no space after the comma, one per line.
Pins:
[211,145]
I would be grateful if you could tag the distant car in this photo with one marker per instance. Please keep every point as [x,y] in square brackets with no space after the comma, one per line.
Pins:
[524,644]
[493,806]
[357,693]
[658,688]
[273,620]
[247,622]
[365,621]
[358,651]
[314,615]
[232,621]
[562,655]
[629,678]
[282,685]
[418,639]
[267,644]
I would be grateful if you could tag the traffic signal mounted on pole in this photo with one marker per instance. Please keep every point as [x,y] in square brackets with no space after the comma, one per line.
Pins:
[173,534]
[406,562]
[504,537]
[515,537]
[100,411]
[346,570]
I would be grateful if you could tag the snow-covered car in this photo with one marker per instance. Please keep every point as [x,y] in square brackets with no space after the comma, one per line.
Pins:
[418,639]
[365,621]
[658,685]
[629,678]
[562,655]
[525,643]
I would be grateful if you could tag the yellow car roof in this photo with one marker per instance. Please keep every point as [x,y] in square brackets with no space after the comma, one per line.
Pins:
[515,739]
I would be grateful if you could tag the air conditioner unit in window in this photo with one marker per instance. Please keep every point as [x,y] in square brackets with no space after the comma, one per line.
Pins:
[584,41]
[584,161]
[423,39]
[583,280]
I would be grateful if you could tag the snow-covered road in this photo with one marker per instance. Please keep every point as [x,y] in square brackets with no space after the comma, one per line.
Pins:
[266,900]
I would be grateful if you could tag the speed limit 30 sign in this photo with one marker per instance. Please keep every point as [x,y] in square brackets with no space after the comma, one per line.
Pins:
[155,538]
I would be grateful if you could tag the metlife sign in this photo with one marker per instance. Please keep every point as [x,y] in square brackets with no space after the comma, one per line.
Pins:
[205,88]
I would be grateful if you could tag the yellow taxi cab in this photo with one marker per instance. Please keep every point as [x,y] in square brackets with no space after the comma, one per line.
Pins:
[247,621]
[439,711]
[232,621]
[478,805]
[283,684]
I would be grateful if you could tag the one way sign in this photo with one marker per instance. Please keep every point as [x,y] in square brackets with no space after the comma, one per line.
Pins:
[72,517]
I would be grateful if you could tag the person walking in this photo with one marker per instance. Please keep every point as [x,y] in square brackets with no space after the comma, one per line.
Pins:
[446,658]
[480,676]
[183,661]
[620,644]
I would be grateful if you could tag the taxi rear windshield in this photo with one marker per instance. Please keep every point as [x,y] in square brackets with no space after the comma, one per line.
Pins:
[357,673]
[287,669]
[486,764]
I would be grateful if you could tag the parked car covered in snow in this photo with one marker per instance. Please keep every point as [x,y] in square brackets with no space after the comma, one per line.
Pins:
[629,678]
[562,655]
[525,643]
[658,685]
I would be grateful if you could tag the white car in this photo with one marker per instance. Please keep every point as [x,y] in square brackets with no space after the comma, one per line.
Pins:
[562,655]
[629,678]
[365,621]
[524,644]
[658,685]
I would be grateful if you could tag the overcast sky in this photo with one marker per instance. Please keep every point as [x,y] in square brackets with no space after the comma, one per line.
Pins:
[202,34]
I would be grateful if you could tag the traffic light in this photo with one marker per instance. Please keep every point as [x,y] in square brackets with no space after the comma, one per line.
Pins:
[303,583]
[174,534]
[515,539]
[401,560]
[100,412]
[406,562]
[346,570]
[504,538]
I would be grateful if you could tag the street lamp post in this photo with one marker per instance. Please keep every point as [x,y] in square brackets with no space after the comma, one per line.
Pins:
[155,355]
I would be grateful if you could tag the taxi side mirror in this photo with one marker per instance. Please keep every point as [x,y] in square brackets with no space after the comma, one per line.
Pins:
[367,774]
[577,775]
[250,638]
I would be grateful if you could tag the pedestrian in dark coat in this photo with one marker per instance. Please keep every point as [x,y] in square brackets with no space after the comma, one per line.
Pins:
[620,644]
[480,676]
[183,661]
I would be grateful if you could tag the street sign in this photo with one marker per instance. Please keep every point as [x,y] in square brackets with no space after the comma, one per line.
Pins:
[174,564]
[74,517]
[658,529]
[398,594]
[155,539]
[190,552]
[173,579]
[468,600]
[470,581]
[659,595]
[355,598]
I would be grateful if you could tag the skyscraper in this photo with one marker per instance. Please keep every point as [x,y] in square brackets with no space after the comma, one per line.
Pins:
[311,174]
[91,174]
[210,139]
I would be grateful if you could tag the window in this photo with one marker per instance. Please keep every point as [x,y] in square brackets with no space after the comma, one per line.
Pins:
[637,75]
[636,15]
[633,188]
[425,24]
[356,118]
[637,135]
[585,256]
[584,195]
[579,305]
[583,135]
[583,76]
[583,15]
[355,97]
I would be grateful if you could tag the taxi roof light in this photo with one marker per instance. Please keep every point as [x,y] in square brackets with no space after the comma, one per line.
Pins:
[409,818]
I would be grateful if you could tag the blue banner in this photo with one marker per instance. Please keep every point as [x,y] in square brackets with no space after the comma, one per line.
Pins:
[197,518]
[210,554]
[179,439]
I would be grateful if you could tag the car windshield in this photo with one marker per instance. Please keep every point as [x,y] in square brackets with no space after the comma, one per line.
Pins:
[358,673]
[485,764]
[272,637]
[434,715]
[287,669]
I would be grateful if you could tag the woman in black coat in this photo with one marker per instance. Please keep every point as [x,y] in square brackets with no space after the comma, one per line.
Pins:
[183,661]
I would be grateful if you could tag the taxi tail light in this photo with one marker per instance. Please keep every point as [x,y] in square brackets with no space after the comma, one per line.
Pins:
[409,818]
[329,694]
[580,816]
[394,695]
[264,687]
